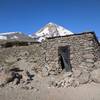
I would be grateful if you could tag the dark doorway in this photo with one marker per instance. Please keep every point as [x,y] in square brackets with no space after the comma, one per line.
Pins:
[64,58]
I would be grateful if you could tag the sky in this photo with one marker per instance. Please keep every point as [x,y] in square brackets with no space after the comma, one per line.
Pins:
[29,16]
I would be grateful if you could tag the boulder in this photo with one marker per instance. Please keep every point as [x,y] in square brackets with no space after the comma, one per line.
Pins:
[75,83]
[97,64]
[84,77]
[76,73]
[90,60]
[95,75]
[6,77]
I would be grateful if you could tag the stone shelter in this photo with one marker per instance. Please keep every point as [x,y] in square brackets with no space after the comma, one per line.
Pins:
[72,51]
[77,51]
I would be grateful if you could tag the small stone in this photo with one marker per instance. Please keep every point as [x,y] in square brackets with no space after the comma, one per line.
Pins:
[90,60]
[90,65]
[16,81]
[53,73]
[88,56]
[45,72]
[25,87]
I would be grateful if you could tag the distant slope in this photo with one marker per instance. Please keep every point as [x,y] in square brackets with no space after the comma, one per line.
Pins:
[15,36]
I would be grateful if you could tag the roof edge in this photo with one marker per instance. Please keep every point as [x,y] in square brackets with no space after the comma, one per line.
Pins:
[72,35]
[76,34]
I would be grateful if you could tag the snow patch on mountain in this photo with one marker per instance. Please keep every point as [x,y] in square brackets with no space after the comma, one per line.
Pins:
[31,36]
[3,38]
[14,37]
[41,39]
[9,33]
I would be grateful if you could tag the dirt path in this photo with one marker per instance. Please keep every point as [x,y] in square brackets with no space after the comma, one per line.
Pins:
[85,92]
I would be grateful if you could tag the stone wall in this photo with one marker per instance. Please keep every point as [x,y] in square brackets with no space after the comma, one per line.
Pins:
[83,52]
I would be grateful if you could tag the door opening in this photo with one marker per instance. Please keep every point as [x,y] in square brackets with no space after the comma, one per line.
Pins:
[64,58]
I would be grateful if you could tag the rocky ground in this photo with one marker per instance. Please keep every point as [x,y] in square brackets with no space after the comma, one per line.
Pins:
[20,80]
[49,88]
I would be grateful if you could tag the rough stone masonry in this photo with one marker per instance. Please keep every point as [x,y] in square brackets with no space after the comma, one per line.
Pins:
[82,51]
[71,52]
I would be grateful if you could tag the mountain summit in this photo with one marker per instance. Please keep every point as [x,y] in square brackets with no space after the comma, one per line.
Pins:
[49,30]
[52,30]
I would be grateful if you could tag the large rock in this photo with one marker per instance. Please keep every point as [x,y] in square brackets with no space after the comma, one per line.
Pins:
[6,77]
[84,77]
[76,73]
[95,75]
[97,64]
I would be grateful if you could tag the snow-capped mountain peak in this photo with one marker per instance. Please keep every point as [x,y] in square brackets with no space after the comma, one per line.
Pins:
[52,30]
[49,30]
